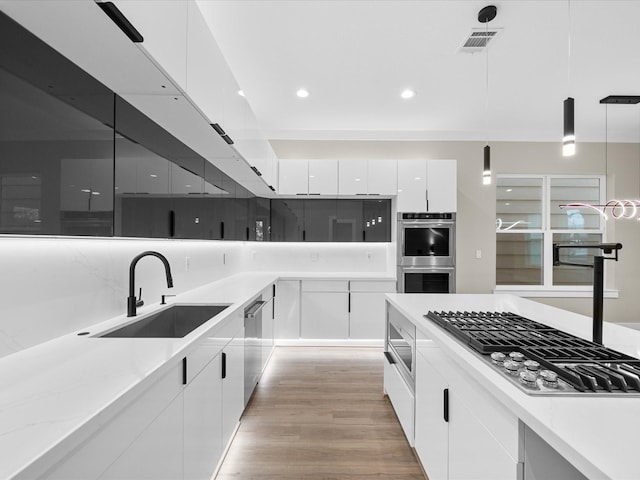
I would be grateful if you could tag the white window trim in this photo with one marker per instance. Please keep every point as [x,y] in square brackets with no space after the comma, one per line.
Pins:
[547,289]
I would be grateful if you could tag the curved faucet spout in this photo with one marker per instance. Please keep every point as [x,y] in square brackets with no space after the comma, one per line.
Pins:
[131,300]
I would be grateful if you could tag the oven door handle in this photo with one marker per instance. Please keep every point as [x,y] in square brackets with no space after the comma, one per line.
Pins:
[389,358]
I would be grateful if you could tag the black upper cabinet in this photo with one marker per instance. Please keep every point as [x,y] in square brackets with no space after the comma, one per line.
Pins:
[56,148]
[376,220]
[287,220]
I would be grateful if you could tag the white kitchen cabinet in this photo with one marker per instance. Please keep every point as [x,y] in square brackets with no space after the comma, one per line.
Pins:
[157,452]
[382,177]
[163,24]
[412,186]
[203,421]
[293,177]
[268,318]
[287,301]
[323,177]
[232,387]
[478,440]
[401,397]
[431,431]
[474,453]
[442,186]
[352,177]
[96,453]
[324,310]
[367,308]
[427,186]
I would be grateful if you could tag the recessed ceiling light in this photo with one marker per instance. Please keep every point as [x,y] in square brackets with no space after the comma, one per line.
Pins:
[241,93]
[408,93]
[509,189]
[153,175]
[302,93]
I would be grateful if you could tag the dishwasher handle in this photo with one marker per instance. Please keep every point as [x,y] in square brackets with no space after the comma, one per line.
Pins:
[255,307]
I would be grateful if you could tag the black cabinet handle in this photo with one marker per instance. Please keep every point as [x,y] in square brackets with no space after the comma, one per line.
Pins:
[221,230]
[172,223]
[304,235]
[389,358]
[364,235]
[184,371]
[247,233]
[445,413]
[273,290]
[224,365]
[349,304]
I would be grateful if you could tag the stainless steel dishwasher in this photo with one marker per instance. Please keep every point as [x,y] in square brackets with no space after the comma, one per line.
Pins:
[252,346]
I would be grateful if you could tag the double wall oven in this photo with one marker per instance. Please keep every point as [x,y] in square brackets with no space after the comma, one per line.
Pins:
[426,252]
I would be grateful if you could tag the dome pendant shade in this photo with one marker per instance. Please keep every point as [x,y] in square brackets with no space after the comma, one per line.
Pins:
[487,14]
[569,137]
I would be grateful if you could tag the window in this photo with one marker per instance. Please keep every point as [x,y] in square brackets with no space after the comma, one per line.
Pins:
[529,221]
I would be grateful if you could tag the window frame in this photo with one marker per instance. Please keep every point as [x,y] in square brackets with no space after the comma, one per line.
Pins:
[547,289]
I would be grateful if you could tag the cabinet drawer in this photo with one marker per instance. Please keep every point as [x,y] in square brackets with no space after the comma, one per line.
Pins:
[401,398]
[385,286]
[325,286]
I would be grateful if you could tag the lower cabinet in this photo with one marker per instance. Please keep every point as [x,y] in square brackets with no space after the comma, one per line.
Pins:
[203,443]
[367,308]
[325,310]
[177,428]
[287,310]
[459,434]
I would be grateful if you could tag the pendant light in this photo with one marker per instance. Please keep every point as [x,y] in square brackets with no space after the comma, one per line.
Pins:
[569,135]
[485,15]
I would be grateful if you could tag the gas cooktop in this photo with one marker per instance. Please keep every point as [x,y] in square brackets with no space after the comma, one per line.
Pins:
[542,360]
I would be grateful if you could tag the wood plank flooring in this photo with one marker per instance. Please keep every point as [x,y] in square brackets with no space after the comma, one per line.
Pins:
[320,413]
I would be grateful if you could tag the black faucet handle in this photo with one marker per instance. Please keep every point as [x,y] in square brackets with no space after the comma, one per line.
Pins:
[162,302]
[139,302]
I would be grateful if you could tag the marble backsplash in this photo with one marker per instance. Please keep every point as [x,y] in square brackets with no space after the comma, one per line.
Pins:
[52,286]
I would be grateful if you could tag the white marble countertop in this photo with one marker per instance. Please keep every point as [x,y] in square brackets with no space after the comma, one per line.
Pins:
[597,435]
[56,394]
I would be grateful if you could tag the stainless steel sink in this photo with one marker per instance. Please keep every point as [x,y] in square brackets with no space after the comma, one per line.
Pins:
[173,322]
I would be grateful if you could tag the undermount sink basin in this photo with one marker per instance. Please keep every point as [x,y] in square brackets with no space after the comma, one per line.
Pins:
[174,322]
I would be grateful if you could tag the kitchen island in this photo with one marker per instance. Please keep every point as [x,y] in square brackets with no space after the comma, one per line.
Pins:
[492,429]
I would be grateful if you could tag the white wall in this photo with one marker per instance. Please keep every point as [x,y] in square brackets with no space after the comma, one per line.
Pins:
[53,286]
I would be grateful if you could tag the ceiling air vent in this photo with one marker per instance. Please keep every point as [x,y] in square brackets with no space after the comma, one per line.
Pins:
[478,39]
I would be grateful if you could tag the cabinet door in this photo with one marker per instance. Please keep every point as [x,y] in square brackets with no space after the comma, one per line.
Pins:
[232,387]
[367,316]
[287,320]
[294,177]
[412,186]
[268,315]
[163,24]
[431,429]
[287,220]
[474,453]
[112,441]
[442,186]
[382,177]
[325,315]
[323,177]
[377,220]
[157,452]
[203,422]
[352,177]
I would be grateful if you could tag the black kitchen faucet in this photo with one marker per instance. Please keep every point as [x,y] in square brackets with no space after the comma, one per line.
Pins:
[598,277]
[132,302]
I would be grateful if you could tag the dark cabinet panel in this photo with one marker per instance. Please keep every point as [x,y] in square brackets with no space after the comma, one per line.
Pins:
[287,220]
[377,220]
[320,217]
[56,150]
[347,226]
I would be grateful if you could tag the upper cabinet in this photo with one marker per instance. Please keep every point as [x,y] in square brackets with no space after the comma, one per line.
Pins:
[427,186]
[294,177]
[352,177]
[164,32]
[323,177]
[382,177]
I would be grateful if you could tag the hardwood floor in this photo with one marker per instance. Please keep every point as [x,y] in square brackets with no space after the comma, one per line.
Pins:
[320,413]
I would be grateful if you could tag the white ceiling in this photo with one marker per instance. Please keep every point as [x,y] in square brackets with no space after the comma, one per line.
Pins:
[355,57]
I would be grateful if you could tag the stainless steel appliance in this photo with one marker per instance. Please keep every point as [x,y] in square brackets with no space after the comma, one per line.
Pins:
[542,360]
[252,346]
[400,345]
[426,252]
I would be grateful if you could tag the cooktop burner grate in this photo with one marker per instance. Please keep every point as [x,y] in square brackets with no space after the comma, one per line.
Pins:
[578,364]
